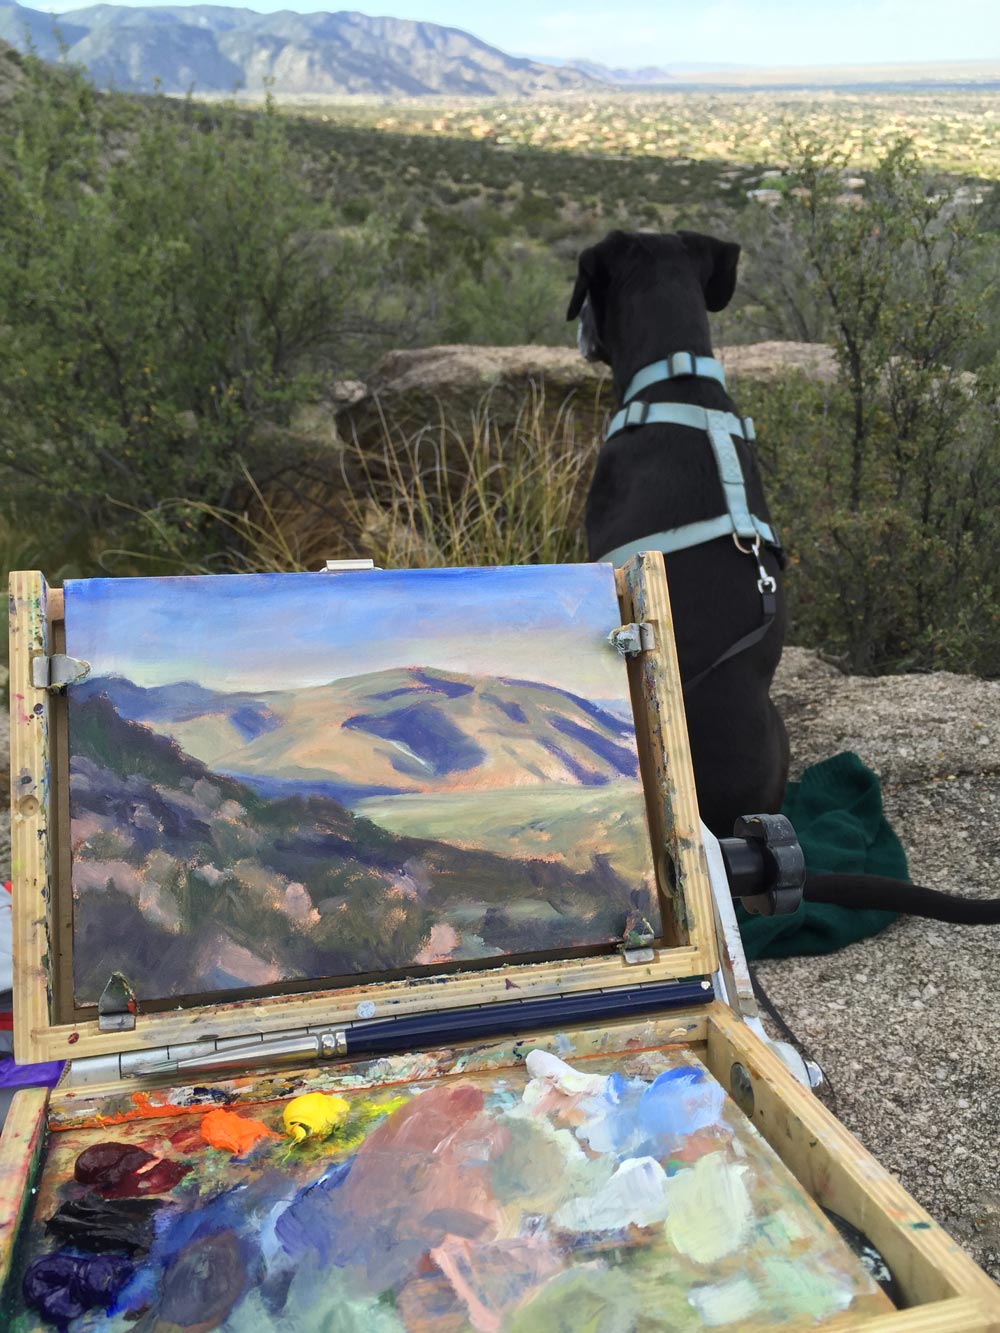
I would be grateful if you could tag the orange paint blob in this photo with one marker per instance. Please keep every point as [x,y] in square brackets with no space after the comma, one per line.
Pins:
[234,1133]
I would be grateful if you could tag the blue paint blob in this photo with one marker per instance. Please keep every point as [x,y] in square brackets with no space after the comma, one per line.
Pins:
[678,1102]
[64,1285]
[309,1220]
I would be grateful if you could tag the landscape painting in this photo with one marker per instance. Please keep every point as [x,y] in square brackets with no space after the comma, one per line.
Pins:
[292,777]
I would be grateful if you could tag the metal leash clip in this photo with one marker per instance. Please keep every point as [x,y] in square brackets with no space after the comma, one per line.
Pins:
[766,582]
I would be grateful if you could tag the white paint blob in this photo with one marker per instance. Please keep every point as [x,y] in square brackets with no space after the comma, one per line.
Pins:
[709,1209]
[726,1302]
[636,1195]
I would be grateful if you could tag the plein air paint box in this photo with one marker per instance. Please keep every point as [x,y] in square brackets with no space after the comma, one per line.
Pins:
[523,1177]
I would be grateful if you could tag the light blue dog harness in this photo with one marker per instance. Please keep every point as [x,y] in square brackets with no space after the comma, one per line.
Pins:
[721,428]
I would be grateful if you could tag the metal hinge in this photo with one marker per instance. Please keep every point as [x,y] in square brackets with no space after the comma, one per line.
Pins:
[637,943]
[632,639]
[56,672]
[344,566]
[117,1007]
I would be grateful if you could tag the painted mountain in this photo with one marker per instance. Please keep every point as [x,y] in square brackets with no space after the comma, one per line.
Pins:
[228,834]
[220,49]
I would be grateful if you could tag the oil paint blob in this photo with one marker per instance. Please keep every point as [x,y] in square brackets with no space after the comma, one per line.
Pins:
[545,1198]
[233,1133]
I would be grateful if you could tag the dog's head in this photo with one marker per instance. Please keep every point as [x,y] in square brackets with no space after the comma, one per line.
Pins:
[690,273]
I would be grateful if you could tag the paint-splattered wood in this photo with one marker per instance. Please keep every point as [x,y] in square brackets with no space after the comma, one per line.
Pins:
[280,1013]
[71,1108]
[668,777]
[20,1150]
[837,1171]
[823,1156]
[31,813]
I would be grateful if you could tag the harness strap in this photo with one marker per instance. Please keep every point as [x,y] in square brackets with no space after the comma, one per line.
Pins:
[679,414]
[731,475]
[673,367]
[691,534]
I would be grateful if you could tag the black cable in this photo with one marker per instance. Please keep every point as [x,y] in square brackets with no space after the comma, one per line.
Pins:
[827,1093]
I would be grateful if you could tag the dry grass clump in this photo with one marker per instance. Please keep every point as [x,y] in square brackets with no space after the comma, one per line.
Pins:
[447,494]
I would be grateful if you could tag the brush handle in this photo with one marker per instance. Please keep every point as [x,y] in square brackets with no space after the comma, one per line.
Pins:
[389,1035]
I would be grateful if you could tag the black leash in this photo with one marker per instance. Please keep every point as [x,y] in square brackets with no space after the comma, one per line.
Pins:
[768,589]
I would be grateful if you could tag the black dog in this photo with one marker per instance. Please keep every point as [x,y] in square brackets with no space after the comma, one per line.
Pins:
[678,456]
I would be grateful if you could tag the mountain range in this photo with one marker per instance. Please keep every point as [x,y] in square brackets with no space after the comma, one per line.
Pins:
[217,49]
[189,881]
[407,729]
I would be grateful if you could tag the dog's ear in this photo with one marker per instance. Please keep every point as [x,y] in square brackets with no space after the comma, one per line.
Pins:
[586,268]
[716,264]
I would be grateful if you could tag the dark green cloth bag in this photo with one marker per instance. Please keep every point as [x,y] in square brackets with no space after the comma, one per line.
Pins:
[836,809]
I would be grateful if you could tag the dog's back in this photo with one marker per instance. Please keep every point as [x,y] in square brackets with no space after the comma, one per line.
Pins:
[647,298]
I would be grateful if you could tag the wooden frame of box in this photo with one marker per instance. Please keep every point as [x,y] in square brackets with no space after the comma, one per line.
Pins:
[943,1288]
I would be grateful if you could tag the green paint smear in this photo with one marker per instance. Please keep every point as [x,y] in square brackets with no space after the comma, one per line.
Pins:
[585,1300]
[794,1289]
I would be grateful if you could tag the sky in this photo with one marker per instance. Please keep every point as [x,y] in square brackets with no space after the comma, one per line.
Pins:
[287,631]
[745,32]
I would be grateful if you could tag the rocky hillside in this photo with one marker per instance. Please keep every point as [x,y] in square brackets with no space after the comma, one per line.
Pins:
[217,49]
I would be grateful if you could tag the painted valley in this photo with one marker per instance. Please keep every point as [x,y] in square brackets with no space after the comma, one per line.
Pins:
[545,1199]
[287,777]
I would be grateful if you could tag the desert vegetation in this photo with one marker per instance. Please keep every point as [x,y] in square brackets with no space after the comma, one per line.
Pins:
[185,285]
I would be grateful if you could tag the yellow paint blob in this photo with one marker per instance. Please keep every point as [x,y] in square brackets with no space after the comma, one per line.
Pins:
[314,1115]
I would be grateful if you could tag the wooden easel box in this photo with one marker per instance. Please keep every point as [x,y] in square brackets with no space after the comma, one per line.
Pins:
[943,1289]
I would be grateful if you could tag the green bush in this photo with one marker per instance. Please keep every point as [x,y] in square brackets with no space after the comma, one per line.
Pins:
[906,580]
[169,287]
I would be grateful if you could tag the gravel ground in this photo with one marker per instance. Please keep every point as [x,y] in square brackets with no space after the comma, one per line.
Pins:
[907,1025]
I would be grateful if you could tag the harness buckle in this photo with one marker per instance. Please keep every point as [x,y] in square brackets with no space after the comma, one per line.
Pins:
[636,414]
[674,367]
[748,550]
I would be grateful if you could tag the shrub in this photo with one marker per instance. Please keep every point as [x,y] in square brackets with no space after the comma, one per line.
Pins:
[167,287]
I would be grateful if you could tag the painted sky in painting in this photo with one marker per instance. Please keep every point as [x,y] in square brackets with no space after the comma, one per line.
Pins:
[260,632]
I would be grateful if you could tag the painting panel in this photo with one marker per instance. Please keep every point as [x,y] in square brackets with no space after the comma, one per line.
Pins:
[281,778]
[616,1194]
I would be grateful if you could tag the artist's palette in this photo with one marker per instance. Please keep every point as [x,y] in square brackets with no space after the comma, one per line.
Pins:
[614,1194]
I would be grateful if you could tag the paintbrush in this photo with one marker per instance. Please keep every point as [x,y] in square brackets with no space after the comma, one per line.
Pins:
[389,1035]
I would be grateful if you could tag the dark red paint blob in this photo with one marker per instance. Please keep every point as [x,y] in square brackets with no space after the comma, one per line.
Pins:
[105,1164]
[156,1179]
[122,1171]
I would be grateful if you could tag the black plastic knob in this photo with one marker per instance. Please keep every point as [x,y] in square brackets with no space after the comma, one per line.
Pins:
[764,864]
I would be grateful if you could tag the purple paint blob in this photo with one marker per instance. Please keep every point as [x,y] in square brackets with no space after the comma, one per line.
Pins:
[63,1286]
